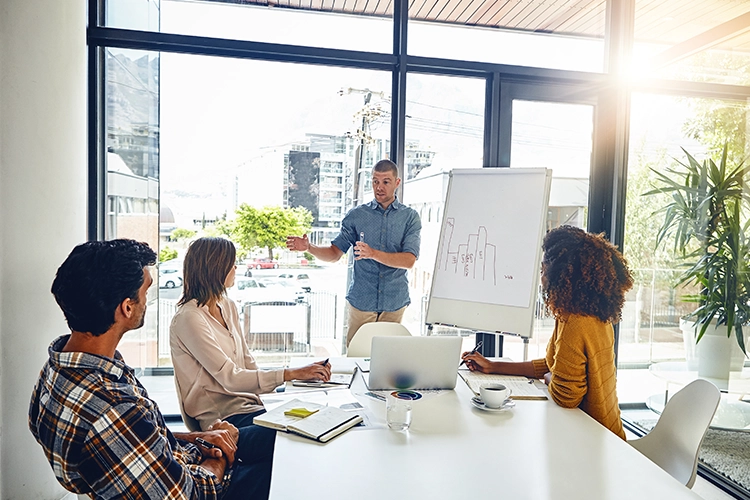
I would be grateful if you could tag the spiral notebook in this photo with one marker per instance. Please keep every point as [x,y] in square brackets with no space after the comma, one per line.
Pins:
[323,424]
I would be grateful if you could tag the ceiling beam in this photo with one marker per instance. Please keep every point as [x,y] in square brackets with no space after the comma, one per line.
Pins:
[705,40]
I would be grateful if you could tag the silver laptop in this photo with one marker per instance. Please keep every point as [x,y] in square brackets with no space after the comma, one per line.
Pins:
[414,362]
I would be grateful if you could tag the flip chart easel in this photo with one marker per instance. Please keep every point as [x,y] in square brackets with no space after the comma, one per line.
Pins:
[486,273]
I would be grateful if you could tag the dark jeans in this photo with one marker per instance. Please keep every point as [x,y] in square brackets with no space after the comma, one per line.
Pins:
[251,478]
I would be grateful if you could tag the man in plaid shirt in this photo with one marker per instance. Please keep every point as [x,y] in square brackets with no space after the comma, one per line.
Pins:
[101,433]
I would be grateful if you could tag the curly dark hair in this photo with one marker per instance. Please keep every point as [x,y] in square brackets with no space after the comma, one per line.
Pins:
[583,273]
[97,277]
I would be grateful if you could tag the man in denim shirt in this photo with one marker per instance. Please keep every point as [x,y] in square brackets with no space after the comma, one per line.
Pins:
[385,234]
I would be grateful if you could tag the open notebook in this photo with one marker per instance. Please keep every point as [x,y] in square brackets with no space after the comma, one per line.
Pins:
[325,424]
[521,387]
[337,380]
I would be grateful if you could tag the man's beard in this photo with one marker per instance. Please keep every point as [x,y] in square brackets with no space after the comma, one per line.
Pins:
[142,320]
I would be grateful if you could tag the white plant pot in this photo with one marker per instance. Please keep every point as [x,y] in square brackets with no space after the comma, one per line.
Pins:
[716,354]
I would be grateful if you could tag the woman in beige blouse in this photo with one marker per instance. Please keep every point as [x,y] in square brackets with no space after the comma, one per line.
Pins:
[217,375]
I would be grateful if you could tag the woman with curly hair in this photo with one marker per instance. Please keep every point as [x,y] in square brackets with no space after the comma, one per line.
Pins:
[584,280]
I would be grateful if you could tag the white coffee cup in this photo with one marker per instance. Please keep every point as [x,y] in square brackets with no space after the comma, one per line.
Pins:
[494,395]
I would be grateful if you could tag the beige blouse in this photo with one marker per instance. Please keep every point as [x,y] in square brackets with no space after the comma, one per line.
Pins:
[217,375]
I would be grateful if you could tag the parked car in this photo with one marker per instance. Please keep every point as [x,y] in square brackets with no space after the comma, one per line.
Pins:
[170,278]
[245,290]
[260,263]
[302,279]
[259,291]
[285,290]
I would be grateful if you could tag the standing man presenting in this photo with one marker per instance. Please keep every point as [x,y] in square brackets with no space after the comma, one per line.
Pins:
[385,234]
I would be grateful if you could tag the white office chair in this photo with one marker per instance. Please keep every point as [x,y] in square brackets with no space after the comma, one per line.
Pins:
[192,424]
[674,442]
[361,343]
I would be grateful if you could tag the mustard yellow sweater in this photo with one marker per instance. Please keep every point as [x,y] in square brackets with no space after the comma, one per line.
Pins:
[581,358]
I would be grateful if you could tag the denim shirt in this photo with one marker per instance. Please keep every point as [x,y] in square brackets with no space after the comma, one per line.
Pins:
[376,287]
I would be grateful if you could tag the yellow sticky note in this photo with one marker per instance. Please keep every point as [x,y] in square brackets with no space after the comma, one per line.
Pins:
[299,412]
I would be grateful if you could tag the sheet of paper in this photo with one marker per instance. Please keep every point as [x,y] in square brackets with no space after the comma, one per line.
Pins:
[521,387]
[343,365]
[364,365]
[340,398]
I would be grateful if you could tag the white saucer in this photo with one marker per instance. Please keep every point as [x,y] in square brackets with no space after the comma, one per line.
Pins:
[477,403]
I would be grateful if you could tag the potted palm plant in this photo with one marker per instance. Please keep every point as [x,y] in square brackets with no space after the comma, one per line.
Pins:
[708,221]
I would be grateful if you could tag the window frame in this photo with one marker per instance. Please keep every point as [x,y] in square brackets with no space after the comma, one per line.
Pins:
[607,91]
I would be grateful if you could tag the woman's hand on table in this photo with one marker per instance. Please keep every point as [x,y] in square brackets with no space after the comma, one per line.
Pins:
[315,371]
[476,362]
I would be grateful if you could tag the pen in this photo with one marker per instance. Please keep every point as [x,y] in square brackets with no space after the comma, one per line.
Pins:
[473,351]
[324,362]
[210,446]
[205,443]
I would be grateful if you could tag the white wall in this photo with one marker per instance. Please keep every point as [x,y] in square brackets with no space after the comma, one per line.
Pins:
[43,183]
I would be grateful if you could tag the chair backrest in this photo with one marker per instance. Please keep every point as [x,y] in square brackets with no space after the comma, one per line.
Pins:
[674,442]
[361,343]
[192,424]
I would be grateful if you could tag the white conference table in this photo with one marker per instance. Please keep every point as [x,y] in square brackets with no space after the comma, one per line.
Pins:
[534,451]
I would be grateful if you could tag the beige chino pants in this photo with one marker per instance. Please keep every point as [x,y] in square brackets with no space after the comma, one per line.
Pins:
[358,318]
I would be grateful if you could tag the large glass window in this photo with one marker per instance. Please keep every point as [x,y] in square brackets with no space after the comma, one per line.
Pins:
[558,136]
[240,135]
[346,25]
[444,130]
[661,127]
[560,35]
[700,42]
[132,163]
[133,14]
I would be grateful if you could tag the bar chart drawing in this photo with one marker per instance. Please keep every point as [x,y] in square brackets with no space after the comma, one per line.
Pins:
[475,259]
[486,266]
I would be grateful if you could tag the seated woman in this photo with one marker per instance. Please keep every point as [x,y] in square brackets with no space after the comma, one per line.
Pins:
[584,280]
[217,375]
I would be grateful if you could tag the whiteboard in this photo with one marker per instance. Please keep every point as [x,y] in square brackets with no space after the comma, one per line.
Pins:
[486,272]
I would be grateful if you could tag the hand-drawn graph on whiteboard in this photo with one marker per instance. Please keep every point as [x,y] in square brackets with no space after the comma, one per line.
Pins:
[474,259]
[488,250]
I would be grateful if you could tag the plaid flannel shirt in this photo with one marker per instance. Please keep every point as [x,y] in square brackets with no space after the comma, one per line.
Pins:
[103,435]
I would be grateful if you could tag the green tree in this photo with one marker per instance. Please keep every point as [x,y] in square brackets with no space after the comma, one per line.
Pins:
[181,234]
[640,232]
[268,227]
[221,229]
[716,124]
[167,253]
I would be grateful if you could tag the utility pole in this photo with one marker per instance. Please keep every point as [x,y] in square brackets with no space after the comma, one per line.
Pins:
[364,136]
[359,154]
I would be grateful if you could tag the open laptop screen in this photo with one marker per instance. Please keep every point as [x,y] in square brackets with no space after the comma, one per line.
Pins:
[414,362]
